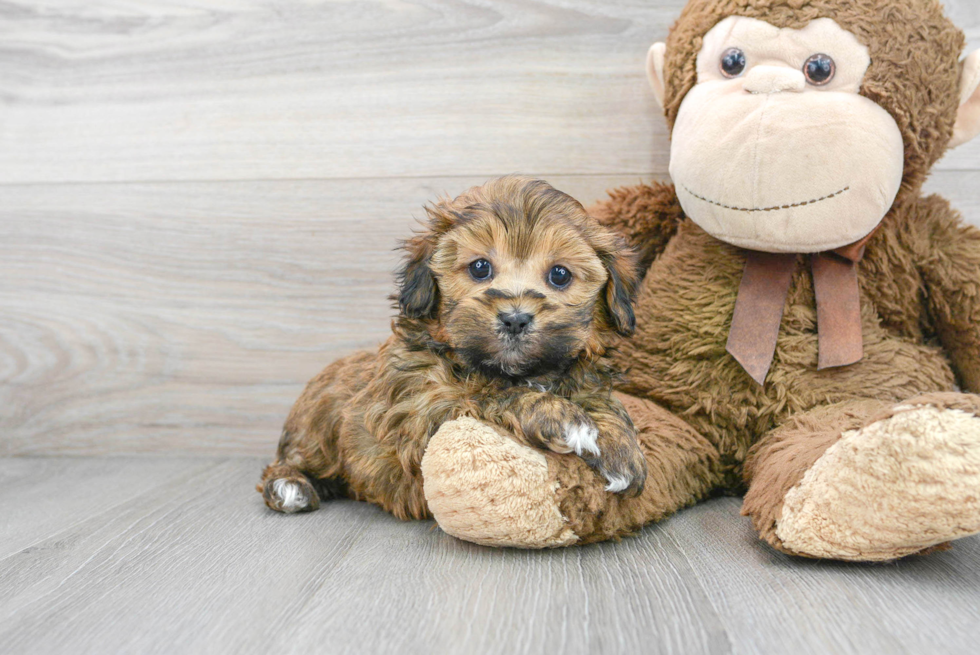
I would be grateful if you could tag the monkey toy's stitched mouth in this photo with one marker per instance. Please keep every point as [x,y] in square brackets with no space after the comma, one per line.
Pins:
[768,209]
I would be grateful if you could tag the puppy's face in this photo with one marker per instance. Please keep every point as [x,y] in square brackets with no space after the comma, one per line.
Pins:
[524,281]
[518,298]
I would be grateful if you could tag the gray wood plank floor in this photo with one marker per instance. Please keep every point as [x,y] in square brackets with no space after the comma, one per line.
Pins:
[105,555]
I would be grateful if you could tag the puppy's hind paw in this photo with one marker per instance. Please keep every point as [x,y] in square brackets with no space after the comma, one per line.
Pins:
[290,495]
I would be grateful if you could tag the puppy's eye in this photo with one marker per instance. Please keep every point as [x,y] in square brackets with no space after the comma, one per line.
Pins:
[559,277]
[481,270]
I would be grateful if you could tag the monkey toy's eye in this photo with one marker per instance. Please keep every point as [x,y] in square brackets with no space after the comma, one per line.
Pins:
[733,62]
[819,70]
[559,277]
[481,269]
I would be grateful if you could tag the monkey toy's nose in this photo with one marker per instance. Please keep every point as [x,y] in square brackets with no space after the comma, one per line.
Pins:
[774,79]
[514,322]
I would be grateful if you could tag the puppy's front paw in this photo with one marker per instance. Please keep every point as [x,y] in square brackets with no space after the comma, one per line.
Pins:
[623,466]
[580,436]
[560,426]
[615,454]
[608,447]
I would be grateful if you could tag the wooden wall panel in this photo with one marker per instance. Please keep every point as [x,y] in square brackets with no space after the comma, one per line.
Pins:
[199,200]
[217,90]
[187,316]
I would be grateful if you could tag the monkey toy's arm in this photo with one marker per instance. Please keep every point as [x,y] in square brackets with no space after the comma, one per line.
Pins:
[647,215]
[949,260]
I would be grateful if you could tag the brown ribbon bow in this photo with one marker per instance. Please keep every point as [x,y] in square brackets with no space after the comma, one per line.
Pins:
[762,297]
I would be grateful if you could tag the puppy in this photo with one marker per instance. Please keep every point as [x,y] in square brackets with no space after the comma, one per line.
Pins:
[508,301]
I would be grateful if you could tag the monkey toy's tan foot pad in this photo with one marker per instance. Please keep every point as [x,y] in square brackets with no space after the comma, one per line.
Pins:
[906,482]
[484,487]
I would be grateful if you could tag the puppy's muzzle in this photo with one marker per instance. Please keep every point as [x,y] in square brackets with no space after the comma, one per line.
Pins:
[514,323]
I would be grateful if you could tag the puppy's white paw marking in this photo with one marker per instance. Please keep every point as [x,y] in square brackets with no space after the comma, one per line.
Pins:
[582,438]
[617,483]
[291,496]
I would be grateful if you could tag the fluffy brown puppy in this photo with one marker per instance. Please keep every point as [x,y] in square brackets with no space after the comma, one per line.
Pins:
[509,301]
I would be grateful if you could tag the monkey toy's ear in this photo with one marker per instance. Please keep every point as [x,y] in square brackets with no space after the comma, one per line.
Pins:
[623,268]
[418,293]
[968,118]
[655,70]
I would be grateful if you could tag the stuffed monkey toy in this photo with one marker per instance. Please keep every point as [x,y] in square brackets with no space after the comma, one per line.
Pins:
[808,329]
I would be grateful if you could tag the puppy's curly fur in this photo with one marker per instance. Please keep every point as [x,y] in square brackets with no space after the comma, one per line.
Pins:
[508,303]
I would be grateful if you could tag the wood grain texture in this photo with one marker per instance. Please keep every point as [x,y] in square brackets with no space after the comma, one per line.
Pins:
[188,317]
[198,565]
[216,90]
[140,314]
[38,495]
[210,89]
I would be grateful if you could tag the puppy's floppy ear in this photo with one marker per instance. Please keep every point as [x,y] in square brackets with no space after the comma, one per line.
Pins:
[418,293]
[622,264]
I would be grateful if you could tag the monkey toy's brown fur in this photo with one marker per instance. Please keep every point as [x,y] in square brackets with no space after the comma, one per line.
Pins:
[905,475]
[361,427]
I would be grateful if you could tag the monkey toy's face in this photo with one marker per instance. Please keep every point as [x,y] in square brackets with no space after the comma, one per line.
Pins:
[774,149]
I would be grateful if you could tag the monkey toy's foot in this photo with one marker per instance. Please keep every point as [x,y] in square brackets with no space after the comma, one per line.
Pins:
[898,486]
[484,487]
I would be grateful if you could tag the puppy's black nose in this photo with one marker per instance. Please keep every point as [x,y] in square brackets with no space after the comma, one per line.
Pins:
[514,322]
